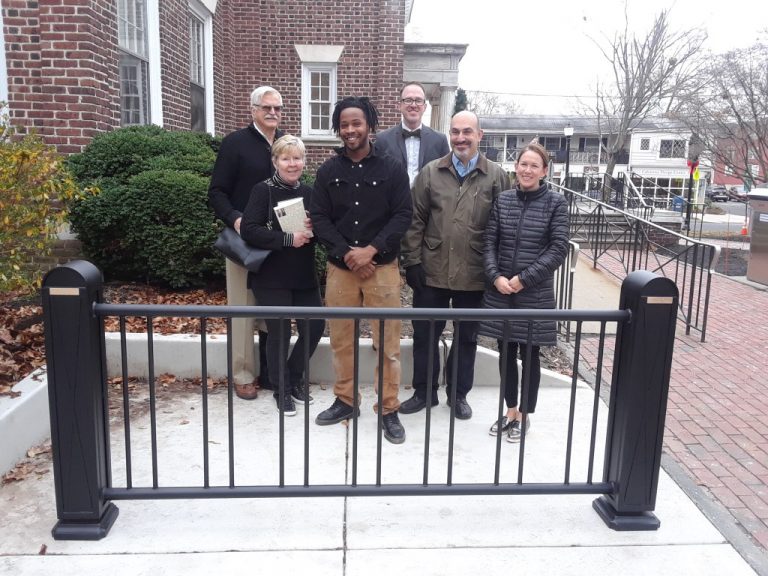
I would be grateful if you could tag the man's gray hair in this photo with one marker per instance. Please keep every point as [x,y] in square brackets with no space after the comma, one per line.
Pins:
[259,93]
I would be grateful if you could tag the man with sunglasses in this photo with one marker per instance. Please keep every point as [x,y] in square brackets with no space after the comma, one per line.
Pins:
[244,160]
[410,142]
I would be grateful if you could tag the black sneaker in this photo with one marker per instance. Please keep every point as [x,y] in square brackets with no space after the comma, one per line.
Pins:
[415,404]
[393,430]
[300,392]
[338,412]
[463,410]
[505,425]
[288,407]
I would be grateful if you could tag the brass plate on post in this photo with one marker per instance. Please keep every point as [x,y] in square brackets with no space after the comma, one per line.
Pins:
[659,300]
[64,291]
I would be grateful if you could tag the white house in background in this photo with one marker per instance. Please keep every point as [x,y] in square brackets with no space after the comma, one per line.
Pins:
[655,156]
[658,160]
[503,136]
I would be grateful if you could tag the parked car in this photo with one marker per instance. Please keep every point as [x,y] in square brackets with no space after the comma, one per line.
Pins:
[717,194]
[737,194]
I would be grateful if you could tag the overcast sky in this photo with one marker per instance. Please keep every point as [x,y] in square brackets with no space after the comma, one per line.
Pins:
[544,48]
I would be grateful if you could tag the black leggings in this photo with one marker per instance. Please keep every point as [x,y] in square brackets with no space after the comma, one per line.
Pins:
[280,335]
[527,401]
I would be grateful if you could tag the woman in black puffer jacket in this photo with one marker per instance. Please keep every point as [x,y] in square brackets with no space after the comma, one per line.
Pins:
[525,242]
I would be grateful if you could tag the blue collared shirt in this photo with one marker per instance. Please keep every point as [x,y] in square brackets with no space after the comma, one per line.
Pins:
[460,169]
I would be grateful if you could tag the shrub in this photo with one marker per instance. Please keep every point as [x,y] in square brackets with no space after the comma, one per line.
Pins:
[172,226]
[321,254]
[99,219]
[126,152]
[148,216]
[32,180]
[157,227]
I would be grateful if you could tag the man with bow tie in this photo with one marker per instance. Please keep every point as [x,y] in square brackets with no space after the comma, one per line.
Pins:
[410,142]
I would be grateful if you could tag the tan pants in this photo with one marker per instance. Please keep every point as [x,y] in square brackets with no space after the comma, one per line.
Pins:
[238,294]
[382,290]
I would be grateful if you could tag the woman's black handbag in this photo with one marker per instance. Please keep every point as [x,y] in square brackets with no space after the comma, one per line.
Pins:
[236,249]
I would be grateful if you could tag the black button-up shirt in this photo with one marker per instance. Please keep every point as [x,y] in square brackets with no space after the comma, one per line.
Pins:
[357,204]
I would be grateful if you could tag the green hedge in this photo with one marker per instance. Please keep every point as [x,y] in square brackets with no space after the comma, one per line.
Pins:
[147,218]
[156,228]
[126,152]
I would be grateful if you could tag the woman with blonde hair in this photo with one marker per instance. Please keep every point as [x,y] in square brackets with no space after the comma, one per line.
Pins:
[288,276]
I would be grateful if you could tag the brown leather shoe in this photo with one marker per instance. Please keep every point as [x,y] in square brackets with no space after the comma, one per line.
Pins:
[246,391]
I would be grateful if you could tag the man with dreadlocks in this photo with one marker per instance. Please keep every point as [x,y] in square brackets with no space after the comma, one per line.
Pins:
[361,207]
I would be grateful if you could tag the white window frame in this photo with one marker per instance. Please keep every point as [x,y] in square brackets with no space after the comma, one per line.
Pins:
[205,13]
[155,72]
[152,58]
[673,145]
[196,49]
[324,59]
[307,69]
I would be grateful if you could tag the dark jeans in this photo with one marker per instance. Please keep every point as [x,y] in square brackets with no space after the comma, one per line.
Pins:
[530,390]
[465,347]
[279,340]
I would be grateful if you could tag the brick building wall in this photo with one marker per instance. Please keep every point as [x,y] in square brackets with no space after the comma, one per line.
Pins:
[371,63]
[63,61]
[174,62]
[228,112]
[62,68]
[63,77]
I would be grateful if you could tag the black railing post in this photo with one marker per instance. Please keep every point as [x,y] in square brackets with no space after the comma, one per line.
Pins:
[638,402]
[76,375]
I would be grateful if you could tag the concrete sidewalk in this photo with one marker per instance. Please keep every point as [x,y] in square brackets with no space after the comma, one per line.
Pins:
[716,435]
[712,493]
[407,535]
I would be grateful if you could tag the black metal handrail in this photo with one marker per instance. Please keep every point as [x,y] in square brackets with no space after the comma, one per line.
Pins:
[668,195]
[623,242]
[80,417]
[609,189]
[564,286]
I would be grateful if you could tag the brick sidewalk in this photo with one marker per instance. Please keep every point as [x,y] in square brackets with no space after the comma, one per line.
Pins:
[717,416]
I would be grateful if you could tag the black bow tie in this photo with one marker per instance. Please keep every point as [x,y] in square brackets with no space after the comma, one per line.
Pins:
[412,133]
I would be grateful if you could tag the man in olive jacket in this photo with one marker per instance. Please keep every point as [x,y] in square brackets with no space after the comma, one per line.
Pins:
[443,256]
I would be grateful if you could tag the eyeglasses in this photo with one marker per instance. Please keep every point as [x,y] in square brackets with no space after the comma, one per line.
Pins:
[411,101]
[267,109]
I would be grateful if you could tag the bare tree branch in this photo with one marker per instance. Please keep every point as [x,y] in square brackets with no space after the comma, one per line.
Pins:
[729,113]
[648,74]
[491,103]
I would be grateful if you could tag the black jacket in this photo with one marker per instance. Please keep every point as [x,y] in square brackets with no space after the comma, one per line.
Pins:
[433,145]
[527,236]
[357,204]
[286,267]
[244,160]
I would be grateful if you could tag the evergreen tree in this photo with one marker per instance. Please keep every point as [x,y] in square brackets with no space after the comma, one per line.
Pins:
[461,101]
